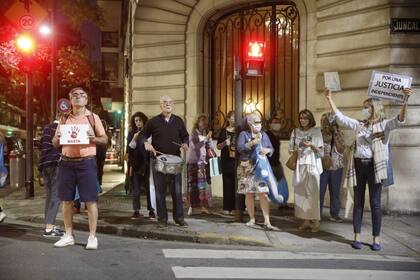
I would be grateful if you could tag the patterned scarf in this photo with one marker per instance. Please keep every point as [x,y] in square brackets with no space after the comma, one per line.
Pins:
[380,156]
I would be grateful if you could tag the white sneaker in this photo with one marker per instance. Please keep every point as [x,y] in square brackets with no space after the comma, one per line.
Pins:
[64,241]
[190,211]
[92,243]
[2,216]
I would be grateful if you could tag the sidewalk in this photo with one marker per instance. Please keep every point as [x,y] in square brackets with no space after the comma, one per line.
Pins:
[400,233]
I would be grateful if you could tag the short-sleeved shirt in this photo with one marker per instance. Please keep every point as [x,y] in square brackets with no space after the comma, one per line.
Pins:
[85,150]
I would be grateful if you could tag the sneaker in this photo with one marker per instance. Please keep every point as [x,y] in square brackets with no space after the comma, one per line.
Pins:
[2,216]
[66,240]
[181,223]
[136,215]
[376,247]
[58,229]
[336,219]
[53,233]
[152,214]
[190,211]
[92,243]
[356,245]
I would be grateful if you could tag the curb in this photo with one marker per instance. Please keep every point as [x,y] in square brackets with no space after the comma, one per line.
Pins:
[193,237]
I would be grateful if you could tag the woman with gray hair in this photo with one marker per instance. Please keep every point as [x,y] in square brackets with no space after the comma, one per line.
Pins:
[370,160]
[249,184]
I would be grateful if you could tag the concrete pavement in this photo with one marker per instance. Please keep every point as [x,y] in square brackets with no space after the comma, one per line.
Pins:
[400,233]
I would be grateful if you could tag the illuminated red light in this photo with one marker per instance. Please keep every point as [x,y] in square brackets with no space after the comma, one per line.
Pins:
[256,50]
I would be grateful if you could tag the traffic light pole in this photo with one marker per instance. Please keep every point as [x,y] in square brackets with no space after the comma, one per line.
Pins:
[29,182]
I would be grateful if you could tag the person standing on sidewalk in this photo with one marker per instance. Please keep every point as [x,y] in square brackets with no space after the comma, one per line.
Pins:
[139,163]
[226,143]
[248,182]
[307,140]
[370,160]
[199,187]
[78,167]
[332,165]
[48,164]
[168,134]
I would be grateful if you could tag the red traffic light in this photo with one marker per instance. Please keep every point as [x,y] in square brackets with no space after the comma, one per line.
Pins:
[25,44]
[255,50]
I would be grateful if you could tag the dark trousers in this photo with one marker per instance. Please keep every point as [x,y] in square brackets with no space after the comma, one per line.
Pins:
[140,181]
[332,179]
[52,202]
[174,183]
[228,191]
[365,174]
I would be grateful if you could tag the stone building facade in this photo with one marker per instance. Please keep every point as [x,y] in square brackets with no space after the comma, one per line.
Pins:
[166,55]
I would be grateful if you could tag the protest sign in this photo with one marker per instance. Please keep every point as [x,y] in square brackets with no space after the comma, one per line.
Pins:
[74,134]
[332,81]
[388,86]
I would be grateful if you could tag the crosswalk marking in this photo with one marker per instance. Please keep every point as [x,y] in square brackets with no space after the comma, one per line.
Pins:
[289,273]
[275,255]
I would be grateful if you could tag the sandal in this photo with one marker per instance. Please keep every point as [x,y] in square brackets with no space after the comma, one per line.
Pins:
[270,227]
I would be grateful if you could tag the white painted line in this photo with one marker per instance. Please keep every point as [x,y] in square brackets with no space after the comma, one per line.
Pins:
[276,255]
[289,273]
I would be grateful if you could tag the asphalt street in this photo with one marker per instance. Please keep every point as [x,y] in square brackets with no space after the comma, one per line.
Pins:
[25,254]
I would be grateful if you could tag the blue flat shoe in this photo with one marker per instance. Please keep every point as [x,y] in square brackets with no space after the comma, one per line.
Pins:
[357,245]
[376,247]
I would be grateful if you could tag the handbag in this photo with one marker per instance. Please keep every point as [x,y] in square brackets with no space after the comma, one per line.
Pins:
[327,161]
[292,161]
[215,169]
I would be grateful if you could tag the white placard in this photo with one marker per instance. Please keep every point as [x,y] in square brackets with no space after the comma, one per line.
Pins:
[332,81]
[74,134]
[388,86]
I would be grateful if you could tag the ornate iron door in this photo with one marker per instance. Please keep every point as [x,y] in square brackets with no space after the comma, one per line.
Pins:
[277,91]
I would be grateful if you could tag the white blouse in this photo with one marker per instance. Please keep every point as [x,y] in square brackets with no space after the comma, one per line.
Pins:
[306,154]
[364,133]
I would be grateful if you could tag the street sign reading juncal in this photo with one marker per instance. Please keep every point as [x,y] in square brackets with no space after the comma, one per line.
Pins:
[405,25]
[26,16]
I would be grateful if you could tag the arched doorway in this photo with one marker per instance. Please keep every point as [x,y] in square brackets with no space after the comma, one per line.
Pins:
[277,90]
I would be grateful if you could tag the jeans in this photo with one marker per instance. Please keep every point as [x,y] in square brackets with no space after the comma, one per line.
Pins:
[365,173]
[52,202]
[140,181]
[174,182]
[332,178]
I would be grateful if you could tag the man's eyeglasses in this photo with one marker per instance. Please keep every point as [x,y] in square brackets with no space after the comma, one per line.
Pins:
[82,94]
[167,102]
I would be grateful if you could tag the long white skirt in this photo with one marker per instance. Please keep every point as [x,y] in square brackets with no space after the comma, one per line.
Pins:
[306,182]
